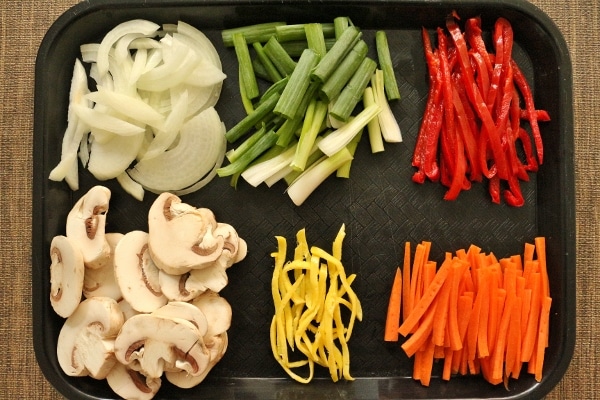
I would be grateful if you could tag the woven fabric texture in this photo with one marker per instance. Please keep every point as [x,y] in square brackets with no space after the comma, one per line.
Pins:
[22,27]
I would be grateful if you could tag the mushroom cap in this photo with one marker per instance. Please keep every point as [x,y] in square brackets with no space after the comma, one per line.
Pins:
[217,350]
[217,311]
[85,342]
[151,344]
[130,384]
[181,237]
[101,281]
[66,275]
[234,247]
[136,274]
[86,226]
[187,311]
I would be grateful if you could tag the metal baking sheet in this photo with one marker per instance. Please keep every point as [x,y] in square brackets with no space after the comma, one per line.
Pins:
[380,205]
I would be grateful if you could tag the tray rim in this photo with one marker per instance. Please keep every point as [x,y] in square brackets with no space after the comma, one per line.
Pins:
[566,185]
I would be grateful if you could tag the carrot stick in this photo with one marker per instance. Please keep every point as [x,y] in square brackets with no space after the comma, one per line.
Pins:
[532,319]
[406,295]
[528,252]
[420,336]
[441,311]
[540,249]
[416,278]
[424,302]
[453,329]
[464,310]
[500,345]
[392,321]
[482,337]
[513,339]
[427,364]
[448,363]
[543,331]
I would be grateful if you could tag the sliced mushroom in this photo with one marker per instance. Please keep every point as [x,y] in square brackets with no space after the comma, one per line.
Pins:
[217,311]
[234,247]
[127,310]
[217,350]
[190,285]
[181,237]
[151,344]
[66,275]
[130,384]
[101,281]
[187,311]
[86,341]
[86,224]
[136,273]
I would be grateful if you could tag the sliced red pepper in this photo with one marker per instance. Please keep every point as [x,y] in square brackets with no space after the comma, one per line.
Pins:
[477,100]
[525,90]
[541,115]
[467,136]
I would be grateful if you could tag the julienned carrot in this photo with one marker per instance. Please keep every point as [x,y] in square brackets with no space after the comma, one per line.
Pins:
[392,321]
[480,314]
[406,293]
[425,301]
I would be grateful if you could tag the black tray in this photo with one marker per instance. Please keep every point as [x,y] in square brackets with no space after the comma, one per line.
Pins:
[380,205]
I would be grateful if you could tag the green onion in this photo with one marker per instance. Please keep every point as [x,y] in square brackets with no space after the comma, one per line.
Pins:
[270,68]
[373,128]
[339,138]
[261,171]
[310,179]
[247,76]
[287,33]
[296,47]
[315,115]
[290,99]
[337,53]
[246,102]
[263,144]
[340,24]
[353,91]
[279,57]
[315,39]
[344,170]
[252,33]
[390,130]
[333,86]
[249,121]
[236,153]
[385,61]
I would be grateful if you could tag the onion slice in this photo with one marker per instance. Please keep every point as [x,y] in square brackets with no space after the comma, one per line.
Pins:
[201,145]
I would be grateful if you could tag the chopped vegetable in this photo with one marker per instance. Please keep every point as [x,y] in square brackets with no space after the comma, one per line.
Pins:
[328,88]
[392,321]
[478,313]
[309,294]
[473,115]
[151,85]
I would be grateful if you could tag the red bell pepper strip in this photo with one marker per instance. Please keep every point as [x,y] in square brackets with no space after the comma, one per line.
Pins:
[525,90]
[467,136]
[474,37]
[476,98]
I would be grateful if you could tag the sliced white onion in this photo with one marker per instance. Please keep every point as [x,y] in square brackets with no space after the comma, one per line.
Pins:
[140,26]
[200,146]
[106,122]
[108,160]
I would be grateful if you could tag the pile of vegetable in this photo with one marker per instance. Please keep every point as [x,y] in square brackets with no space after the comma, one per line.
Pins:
[471,128]
[153,107]
[137,308]
[476,313]
[309,292]
[324,91]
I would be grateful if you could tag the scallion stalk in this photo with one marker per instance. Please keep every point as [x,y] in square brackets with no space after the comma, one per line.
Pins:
[247,76]
[344,170]
[385,62]
[296,47]
[310,179]
[261,171]
[340,24]
[310,129]
[252,33]
[339,138]
[390,130]
[270,68]
[291,32]
[291,98]
[333,86]
[249,121]
[263,144]
[236,153]
[279,57]
[353,91]
[373,128]
[315,39]
[336,54]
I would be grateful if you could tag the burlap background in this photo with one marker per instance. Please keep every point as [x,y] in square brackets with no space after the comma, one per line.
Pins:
[22,26]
